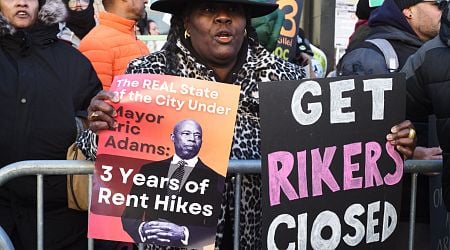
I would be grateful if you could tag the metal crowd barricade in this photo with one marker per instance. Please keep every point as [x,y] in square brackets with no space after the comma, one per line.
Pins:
[237,167]
[41,168]
[416,167]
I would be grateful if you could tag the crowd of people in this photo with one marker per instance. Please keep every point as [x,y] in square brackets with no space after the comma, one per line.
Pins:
[57,63]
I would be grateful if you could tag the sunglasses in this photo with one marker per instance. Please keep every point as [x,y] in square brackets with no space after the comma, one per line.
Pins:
[441,4]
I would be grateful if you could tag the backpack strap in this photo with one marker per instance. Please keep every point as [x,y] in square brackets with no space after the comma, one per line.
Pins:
[390,56]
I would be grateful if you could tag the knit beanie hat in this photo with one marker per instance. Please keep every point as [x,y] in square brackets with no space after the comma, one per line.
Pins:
[363,9]
[403,4]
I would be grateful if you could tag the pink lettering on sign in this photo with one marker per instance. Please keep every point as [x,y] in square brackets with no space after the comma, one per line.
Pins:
[373,153]
[281,165]
[392,179]
[302,180]
[321,170]
[278,177]
[349,167]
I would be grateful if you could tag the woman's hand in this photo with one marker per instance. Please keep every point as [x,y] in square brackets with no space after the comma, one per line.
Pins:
[100,113]
[423,153]
[403,137]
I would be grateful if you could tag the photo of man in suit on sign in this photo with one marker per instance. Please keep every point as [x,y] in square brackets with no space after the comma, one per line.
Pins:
[184,195]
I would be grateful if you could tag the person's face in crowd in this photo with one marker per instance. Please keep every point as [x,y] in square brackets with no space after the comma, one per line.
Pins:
[136,9]
[187,139]
[20,13]
[78,5]
[216,31]
[153,28]
[425,19]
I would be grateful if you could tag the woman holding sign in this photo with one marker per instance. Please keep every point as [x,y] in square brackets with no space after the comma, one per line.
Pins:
[213,40]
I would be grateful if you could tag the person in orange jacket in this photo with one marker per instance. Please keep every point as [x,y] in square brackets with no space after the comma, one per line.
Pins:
[112,44]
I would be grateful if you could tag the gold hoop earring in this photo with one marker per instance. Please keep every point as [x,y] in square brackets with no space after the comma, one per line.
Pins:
[245,32]
[186,34]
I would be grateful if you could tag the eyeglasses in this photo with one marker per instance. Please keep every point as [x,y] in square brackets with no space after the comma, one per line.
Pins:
[78,5]
[441,4]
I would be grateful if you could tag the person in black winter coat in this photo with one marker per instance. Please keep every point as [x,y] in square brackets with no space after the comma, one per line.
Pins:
[406,24]
[428,88]
[45,84]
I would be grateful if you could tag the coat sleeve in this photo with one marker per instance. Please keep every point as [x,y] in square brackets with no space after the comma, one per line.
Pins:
[134,216]
[90,86]
[130,217]
[362,61]
[87,143]
[101,57]
[418,104]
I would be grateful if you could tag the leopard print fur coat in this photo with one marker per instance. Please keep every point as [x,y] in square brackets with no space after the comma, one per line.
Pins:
[257,65]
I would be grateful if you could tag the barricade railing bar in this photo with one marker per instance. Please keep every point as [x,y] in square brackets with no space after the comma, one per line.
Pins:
[416,167]
[5,242]
[41,168]
[237,167]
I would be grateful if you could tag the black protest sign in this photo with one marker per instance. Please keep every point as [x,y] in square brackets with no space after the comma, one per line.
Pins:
[330,178]
[439,221]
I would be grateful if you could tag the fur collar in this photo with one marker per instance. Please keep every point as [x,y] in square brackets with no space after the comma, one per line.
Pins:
[52,12]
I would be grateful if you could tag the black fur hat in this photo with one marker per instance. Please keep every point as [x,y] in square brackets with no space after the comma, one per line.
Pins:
[252,8]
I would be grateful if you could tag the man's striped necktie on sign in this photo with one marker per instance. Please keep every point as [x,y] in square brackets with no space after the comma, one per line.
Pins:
[177,174]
